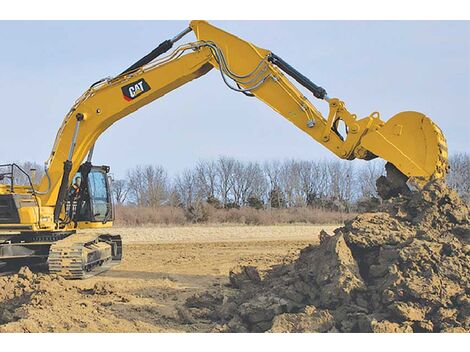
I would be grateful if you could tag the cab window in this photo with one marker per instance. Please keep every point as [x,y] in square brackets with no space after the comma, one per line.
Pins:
[99,197]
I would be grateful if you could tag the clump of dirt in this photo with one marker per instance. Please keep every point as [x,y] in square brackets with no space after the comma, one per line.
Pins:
[405,268]
[26,289]
[37,302]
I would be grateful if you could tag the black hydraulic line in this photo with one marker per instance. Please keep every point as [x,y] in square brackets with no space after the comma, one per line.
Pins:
[317,91]
[63,190]
[64,184]
[248,94]
[159,50]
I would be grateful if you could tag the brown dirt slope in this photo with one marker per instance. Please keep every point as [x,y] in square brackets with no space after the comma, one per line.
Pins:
[403,269]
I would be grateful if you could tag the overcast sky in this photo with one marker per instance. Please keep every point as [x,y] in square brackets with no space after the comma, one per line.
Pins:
[373,66]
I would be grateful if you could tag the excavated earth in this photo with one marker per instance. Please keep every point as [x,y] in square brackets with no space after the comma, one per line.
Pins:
[35,302]
[405,268]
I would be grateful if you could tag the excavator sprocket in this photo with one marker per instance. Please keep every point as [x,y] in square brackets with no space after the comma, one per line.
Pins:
[81,256]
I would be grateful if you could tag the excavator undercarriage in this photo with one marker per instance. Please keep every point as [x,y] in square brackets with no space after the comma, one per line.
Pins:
[82,256]
[70,255]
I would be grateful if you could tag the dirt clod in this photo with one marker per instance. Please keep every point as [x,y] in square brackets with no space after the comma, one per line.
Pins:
[243,275]
[309,320]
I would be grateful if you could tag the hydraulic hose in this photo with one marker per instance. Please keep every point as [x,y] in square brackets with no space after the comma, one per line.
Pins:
[317,91]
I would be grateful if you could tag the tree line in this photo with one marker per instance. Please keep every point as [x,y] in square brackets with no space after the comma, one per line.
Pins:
[230,183]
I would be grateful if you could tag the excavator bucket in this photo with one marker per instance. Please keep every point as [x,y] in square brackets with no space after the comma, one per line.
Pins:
[413,144]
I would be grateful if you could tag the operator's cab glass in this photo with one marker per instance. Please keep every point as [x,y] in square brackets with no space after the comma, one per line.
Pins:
[92,201]
[99,195]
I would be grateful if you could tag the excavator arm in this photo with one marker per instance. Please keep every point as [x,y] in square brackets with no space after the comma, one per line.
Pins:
[409,140]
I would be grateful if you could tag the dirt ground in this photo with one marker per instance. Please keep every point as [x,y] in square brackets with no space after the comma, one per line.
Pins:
[161,268]
[404,267]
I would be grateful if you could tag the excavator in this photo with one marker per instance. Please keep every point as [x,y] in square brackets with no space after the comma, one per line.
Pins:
[43,222]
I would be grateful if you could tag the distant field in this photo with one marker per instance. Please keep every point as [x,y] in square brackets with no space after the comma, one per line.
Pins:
[219,233]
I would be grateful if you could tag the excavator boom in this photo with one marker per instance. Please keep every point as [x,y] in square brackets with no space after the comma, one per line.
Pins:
[107,102]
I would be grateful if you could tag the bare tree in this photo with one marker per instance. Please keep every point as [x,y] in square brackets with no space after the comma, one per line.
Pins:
[459,175]
[341,179]
[206,179]
[239,182]
[366,177]
[312,181]
[224,171]
[120,191]
[247,181]
[272,171]
[258,183]
[289,180]
[148,185]
[174,198]
[136,184]
[156,180]
[185,187]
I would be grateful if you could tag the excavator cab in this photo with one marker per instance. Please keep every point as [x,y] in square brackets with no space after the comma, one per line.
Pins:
[89,197]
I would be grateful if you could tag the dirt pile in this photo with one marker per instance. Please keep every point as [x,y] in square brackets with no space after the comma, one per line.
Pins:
[405,268]
[25,288]
[36,302]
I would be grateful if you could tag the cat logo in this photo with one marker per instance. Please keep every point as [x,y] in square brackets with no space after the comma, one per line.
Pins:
[134,89]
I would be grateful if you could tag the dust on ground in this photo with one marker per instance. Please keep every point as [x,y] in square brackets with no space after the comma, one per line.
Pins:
[403,269]
[147,291]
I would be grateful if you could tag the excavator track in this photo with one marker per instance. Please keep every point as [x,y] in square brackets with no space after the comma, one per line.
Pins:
[82,256]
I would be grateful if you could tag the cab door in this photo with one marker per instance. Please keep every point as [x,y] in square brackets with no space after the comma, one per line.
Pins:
[94,201]
[100,200]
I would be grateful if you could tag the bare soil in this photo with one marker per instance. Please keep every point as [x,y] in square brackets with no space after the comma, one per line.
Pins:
[161,268]
[403,268]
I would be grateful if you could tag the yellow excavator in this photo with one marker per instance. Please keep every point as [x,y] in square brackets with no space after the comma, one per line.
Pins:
[43,222]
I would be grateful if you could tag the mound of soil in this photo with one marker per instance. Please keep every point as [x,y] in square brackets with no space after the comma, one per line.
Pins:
[405,268]
[36,302]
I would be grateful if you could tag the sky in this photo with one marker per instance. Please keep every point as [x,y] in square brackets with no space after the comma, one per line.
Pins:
[385,66]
